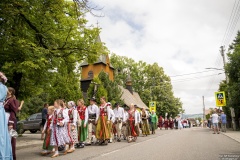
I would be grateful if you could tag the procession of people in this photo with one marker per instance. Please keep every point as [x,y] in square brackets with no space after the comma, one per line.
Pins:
[70,125]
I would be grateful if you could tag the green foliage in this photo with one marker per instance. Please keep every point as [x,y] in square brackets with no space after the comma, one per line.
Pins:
[100,92]
[113,91]
[233,70]
[150,81]
[41,45]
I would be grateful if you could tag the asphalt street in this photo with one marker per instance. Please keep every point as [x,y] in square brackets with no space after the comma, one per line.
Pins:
[186,144]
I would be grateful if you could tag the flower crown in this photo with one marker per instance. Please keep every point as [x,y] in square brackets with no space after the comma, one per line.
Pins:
[2,76]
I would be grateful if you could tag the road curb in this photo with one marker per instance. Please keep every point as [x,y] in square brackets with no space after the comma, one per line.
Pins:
[233,138]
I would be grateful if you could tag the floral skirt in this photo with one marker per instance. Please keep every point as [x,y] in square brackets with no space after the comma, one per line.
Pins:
[59,136]
[73,134]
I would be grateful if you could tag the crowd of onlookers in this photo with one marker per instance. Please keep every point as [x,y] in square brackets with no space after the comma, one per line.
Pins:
[217,121]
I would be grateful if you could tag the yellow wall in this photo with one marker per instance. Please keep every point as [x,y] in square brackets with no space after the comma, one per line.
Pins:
[97,68]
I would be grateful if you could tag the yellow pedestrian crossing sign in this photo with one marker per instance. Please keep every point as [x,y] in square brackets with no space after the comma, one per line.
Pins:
[220,99]
[152,106]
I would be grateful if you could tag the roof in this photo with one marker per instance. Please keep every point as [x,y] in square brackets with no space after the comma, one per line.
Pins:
[134,98]
[102,59]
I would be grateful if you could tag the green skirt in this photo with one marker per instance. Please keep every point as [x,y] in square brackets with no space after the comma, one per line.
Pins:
[103,130]
[46,142]
[145,127]
[82,132]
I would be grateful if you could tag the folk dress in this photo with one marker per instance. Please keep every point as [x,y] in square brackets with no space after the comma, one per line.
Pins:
[83,131]
[5,141]
[72,125]
[47,129]
[145,125]
[60,135]
[103,131]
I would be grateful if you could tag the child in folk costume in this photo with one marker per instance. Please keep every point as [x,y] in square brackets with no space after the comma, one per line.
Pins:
[145,125]
[47,148]
[72,126]
[83,127]
[103,132]
[132,123]
[59,135]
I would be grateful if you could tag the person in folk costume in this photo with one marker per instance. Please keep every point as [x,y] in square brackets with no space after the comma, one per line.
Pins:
[166,123]
[93,115]
[112,120]
[83,128]
[171,123]
[145,125]
[119,119]
[72,126]
[160,122]
[59,136]
[11,108]
[153,121]
[139,120]
[5,149]
[47,148]
[180,126]
[103,132]
[124,125]
[132,123]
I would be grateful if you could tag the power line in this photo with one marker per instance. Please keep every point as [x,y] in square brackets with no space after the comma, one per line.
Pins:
[180,75]
[229,21]
[194,78]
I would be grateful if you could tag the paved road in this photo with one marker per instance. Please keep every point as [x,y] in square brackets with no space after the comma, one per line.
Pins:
[187,144]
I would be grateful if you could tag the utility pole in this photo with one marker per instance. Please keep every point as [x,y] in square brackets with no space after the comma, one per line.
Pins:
[222,50]
[204,116]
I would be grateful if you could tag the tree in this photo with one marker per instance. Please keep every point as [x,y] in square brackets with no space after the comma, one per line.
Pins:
[233,70]
[150,81]
[37,36]
[113,91]
[100,92]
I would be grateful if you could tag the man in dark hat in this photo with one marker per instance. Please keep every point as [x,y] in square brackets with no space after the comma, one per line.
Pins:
[93,112]
[119,119]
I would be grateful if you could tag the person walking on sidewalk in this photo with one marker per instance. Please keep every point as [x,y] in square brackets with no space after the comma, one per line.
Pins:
[223,120]
[215,122]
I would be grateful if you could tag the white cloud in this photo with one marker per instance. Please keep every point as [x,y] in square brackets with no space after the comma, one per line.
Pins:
[181,36]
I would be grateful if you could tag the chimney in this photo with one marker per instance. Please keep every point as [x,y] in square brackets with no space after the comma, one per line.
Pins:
[129,84]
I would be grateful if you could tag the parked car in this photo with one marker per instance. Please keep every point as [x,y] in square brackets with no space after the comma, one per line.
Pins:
[32,123]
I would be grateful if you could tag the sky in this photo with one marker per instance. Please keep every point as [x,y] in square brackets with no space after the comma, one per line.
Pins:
[182,36]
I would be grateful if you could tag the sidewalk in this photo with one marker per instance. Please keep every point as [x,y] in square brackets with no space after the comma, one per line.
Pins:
[29,140]
[235,135]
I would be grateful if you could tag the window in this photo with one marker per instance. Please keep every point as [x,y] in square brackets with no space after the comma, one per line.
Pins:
[90,74]
[32,117]
[39,116]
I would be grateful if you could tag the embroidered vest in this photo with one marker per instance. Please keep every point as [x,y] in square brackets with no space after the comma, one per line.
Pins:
[70,114]
[49,121]
[131,115]
[81,112]
[58,117]
[103,110]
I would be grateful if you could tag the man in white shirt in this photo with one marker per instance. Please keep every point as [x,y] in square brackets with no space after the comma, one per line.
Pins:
[119,119]
[138,118]
[93,114]
[215,122]
[124,125]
